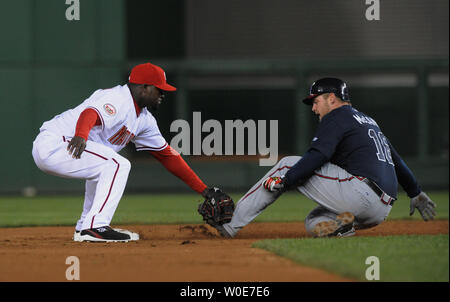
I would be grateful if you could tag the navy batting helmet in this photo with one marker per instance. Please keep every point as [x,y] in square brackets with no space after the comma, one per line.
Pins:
[328,85]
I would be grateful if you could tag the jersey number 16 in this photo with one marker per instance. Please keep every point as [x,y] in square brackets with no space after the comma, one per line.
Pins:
[383,150]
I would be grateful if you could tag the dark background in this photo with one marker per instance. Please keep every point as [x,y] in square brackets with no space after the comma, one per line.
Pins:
[229,60]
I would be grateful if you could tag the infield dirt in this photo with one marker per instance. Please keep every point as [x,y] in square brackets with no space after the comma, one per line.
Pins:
[166,253]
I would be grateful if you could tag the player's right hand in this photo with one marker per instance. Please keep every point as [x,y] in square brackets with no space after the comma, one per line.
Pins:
[274,184]
[424,205]
[76,146]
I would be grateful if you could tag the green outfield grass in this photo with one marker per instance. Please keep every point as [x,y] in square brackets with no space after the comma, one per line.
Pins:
[170,209]
[401,258]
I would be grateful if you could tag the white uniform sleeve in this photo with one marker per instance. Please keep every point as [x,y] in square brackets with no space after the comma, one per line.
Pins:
[150,137]
[110,110]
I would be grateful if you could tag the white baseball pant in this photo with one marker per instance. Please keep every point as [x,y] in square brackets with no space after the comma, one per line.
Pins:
[105,171]
[334,189]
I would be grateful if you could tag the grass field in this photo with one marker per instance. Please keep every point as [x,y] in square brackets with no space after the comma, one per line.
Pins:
[170,209]
[401,258]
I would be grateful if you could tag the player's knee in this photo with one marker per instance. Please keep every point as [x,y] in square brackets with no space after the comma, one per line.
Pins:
[42,162]
[317,215]
[309,228]
[123,164]
[309,224]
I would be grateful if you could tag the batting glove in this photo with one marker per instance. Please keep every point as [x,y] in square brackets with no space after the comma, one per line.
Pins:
[424,205]
[274,184]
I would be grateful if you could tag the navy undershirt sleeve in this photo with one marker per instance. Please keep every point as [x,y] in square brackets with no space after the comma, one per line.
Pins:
[404,175]
[305,167]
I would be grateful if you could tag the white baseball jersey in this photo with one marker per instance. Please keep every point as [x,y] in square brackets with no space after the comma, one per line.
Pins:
[120,121]
[105,171]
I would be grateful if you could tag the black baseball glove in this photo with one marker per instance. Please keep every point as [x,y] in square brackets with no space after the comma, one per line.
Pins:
[217,208]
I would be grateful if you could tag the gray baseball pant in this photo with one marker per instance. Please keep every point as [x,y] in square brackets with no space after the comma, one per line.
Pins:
[331,187]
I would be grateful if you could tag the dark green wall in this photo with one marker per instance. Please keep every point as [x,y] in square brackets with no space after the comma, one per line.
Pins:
[48,65]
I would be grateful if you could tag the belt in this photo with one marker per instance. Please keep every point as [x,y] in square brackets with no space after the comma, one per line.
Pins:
[385,198]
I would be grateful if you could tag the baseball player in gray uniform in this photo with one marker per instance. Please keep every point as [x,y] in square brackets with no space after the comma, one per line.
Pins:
[351,170]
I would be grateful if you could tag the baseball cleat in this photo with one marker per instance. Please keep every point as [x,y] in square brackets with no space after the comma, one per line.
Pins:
[223,232]
[105,234]
[134,236]
[220,229]
[342,226]
[76,236]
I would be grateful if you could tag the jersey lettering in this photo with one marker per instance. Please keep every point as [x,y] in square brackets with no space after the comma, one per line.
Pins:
[383,150]
[365,120]
[387,149]
[121,137]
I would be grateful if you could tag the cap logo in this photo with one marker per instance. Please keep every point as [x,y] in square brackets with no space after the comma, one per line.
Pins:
[110,110]
[165,76]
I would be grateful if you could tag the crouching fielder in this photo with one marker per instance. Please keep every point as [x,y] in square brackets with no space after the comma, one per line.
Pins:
[351,171]
[84,142]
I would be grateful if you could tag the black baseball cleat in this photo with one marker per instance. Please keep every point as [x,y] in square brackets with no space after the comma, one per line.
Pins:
[103,234]
[342,226]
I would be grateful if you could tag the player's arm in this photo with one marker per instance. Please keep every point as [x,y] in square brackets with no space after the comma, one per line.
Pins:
[327,137]
[404,175]
[176,165]
[299,173]
[218,207]
[87,120]
[406,179]
[305,167]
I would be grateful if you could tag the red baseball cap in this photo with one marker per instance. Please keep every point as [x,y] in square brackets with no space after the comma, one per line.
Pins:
[151,75]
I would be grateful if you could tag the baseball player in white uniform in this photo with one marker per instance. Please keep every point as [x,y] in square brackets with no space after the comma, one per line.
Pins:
[84,142]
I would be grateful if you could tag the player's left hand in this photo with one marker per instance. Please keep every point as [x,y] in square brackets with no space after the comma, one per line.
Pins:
[76,146]
[424,205]
[274,184]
